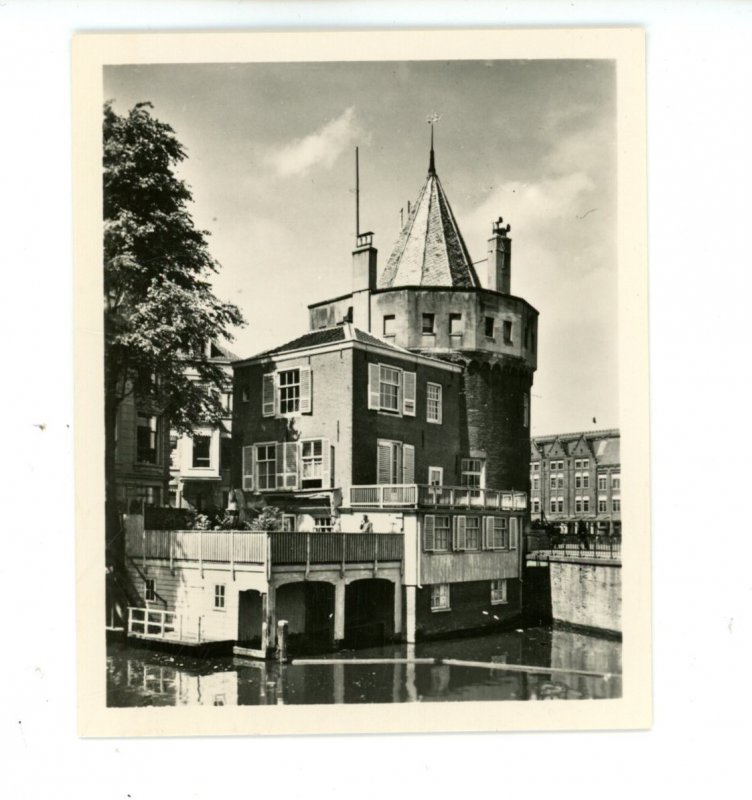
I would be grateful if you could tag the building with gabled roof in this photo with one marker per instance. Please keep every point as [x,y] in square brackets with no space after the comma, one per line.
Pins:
[394,438]
[576,478]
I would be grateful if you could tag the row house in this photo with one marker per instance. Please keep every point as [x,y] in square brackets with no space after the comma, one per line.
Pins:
[576,477]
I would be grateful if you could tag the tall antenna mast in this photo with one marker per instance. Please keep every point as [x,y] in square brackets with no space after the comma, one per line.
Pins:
[357,196]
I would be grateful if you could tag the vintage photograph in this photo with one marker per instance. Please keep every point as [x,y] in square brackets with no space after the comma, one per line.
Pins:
[362,392]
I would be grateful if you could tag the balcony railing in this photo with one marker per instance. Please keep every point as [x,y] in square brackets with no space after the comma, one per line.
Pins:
[411,495]
[238,548]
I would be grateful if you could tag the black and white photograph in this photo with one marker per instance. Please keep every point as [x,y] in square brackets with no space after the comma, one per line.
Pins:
[366,439]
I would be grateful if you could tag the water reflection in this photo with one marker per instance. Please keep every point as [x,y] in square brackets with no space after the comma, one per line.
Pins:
[141,677]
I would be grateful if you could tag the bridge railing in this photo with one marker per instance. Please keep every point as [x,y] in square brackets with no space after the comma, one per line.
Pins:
[335,548]
[601,547]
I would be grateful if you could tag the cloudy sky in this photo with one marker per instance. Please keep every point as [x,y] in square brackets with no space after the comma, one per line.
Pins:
[271,165]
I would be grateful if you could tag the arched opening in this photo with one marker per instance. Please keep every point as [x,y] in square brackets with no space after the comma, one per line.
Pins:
[308,607]
[369,612]
[250,618]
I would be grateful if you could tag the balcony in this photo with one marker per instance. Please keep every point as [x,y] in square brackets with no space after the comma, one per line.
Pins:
[413,495]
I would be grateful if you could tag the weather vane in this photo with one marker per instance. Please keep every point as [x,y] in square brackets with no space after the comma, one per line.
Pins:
[432,119]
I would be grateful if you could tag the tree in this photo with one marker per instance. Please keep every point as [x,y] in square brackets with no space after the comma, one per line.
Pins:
[160,309]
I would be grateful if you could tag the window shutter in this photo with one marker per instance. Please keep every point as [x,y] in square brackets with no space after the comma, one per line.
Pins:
[384,463]
[408,394]
[487,532]
[255,477]
[429,527]
[267,399]
[373,386]
[248,462]
[326,468]
[408,463]
[305,390]
[280,465]
[514,523]
[460,533]
[291,465]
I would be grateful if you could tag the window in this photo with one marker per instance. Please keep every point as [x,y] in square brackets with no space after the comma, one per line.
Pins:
[616,503]
[322,525]
[560,503]
[616,480]
[289,391]
[202,451]
[498,592]
[601,483]
[312,463]
[525,410]
[586,505]
[489,327]
[535,506]
[440,597]
[395,462]
[390,327]
[427,326]
[389,386]
[245,394]
[578,505]
[578,481]
[585,480]
[535,466]
[552,505]
[602,505]
[435,476]
[433,402]
[473,472]
[472,532]
[497,533]
[435,534]
[554,481]
[266,466]
[507,328]
[536,483]
[227,402]
[286,392]
[146,439]
[556,505]
[585,463]
[150,590]
[455,324]
[219,595]
[391,389]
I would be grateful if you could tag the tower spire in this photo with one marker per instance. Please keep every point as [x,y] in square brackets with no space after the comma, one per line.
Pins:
[432,119]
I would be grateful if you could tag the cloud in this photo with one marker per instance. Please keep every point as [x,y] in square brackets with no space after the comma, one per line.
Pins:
[322,147]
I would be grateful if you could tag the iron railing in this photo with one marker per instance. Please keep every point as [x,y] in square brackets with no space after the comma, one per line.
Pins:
[412,495]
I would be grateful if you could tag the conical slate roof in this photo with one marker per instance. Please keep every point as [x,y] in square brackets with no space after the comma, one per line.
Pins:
[430,250]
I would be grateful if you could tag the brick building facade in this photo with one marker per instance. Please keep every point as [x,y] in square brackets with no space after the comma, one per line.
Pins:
[406,403]
[577,477]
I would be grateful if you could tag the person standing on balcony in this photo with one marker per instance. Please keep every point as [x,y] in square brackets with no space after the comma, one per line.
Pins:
[366,526]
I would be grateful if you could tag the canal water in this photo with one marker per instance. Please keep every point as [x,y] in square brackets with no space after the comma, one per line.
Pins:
[142,677]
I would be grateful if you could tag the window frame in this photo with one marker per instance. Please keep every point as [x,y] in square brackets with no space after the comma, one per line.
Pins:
[208,459]
[315,460]
[153,431]
[477,527]
[438,401]
[456,317]
[392,320]
[492,334]
[150,590]
[289,387]
[426,317]
[257,462]
[500,592]
[465,472]
[441,597]
[220,597]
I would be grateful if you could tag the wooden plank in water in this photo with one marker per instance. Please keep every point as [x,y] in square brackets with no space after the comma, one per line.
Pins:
[456,662]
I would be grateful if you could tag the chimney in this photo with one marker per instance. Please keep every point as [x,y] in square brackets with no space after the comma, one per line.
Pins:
[500,258]
[363,280]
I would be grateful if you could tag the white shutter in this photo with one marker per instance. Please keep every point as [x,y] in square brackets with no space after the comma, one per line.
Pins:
[384,463]
[408,394]
[487,533]
[305,390]
[291,451]
[280,465]
[460,533]
[429,528]
[255,466]
[267,395]
[408,463]
[374,396]
[514,523]
[326,464]
[248,462]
